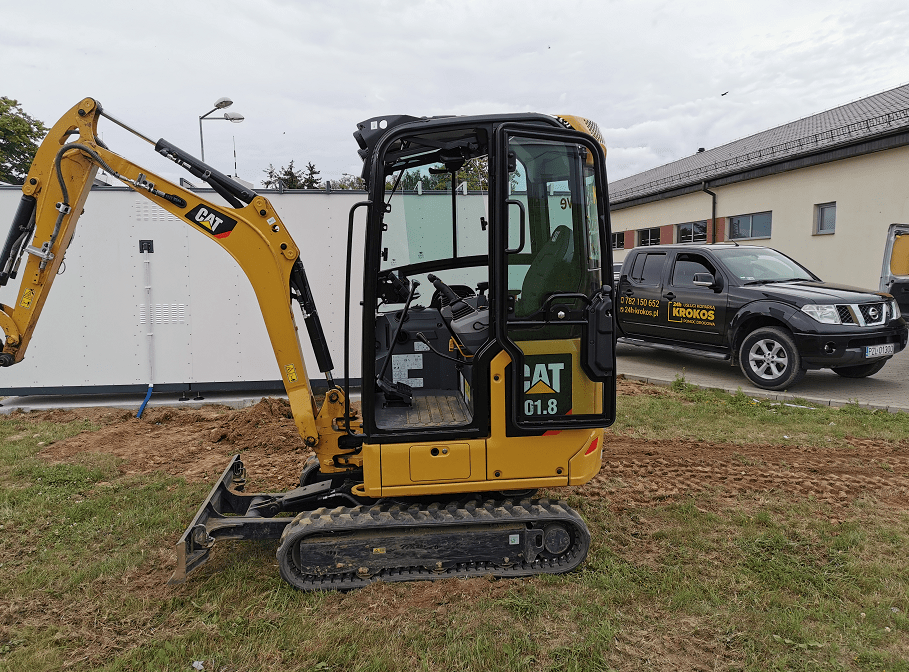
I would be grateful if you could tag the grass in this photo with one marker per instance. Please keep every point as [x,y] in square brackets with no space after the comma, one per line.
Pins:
[684,411]
[690,584]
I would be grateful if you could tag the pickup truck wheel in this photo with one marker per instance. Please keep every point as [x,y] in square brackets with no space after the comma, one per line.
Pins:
[860,370]
[769,359]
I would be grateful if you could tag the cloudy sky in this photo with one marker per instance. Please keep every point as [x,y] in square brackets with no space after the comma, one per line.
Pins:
[650,73]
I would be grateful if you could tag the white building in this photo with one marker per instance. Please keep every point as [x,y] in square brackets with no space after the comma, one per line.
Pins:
[202,329]
[823,190]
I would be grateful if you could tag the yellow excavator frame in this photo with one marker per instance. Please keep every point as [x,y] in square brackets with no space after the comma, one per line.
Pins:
[55,192]
[259,242]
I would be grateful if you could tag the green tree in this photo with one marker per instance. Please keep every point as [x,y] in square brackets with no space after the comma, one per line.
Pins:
[311,177]
[292,179]
[475,173]
[410,179]
[19,139]
[349,181]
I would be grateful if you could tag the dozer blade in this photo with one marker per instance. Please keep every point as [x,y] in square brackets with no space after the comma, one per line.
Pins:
[228,513]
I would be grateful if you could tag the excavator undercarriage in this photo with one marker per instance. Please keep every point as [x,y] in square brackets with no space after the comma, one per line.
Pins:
[338,541]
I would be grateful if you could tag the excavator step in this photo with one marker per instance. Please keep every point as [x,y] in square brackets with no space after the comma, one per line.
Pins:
[350,547]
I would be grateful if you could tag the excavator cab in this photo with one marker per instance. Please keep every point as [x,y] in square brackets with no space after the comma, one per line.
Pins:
[487,315]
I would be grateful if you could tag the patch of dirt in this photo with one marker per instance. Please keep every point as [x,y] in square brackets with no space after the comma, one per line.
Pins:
[632,388]
[638,472]
[194,443]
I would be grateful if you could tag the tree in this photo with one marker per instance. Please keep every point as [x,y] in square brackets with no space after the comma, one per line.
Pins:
[292,179]
[19,139]
[409,180]
[349,181]
[311,177]
[475,173]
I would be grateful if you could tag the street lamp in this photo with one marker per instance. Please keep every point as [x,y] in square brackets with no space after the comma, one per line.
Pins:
[220,104]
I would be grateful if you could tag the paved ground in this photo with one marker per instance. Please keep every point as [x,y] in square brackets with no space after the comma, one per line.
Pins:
[888,389]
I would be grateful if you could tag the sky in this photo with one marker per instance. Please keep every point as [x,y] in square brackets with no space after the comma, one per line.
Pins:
[650,73]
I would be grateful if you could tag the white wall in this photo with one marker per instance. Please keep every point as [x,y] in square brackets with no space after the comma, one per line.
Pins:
[208,327]
[871,192]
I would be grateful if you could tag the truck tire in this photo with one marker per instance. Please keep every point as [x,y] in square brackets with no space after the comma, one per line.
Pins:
[860,370]
[769,359]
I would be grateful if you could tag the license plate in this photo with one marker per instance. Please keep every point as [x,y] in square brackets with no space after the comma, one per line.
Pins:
[879,350]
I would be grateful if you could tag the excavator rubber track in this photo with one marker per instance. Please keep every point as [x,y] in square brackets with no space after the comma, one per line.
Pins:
[350,547]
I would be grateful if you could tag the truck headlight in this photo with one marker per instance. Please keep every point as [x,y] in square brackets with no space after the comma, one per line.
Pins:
[823,314]
[894,309]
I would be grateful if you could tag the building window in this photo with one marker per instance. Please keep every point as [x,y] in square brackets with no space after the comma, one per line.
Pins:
[618,240]
[756,225]
[649,236]
[825,218]
[692,232]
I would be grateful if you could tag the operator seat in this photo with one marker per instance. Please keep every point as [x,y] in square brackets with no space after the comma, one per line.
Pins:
[552,270]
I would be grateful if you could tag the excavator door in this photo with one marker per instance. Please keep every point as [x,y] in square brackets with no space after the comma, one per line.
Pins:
[557,327]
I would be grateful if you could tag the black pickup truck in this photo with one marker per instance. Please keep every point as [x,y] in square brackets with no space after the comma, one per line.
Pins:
[756,307]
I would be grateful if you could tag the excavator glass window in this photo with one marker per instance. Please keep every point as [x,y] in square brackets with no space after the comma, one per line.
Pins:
[432,311]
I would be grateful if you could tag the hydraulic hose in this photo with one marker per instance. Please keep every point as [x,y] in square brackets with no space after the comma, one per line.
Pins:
[23,224]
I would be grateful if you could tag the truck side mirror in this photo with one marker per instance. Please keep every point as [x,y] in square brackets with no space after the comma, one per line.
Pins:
[714,282]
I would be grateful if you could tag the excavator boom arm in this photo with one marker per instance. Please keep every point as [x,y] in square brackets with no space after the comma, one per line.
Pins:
[251,231]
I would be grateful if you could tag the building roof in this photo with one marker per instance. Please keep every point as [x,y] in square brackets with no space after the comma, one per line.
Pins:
[871,117]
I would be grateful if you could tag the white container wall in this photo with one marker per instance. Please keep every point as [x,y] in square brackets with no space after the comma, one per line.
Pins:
[205,321]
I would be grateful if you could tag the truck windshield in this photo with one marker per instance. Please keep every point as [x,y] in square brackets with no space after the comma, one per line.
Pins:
[755,265]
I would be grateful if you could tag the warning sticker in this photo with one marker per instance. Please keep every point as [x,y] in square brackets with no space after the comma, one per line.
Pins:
[27,298]
[291,372]
[402,365]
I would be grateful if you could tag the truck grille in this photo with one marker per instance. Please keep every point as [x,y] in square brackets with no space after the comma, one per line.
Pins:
[863,314]
[874,313]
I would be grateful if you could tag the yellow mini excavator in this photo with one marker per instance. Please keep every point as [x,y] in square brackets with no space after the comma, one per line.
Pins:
[488,362]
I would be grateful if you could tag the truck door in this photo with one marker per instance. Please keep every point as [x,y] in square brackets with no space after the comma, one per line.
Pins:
[557,326]
[895,271]
[639,295]
[694,312]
